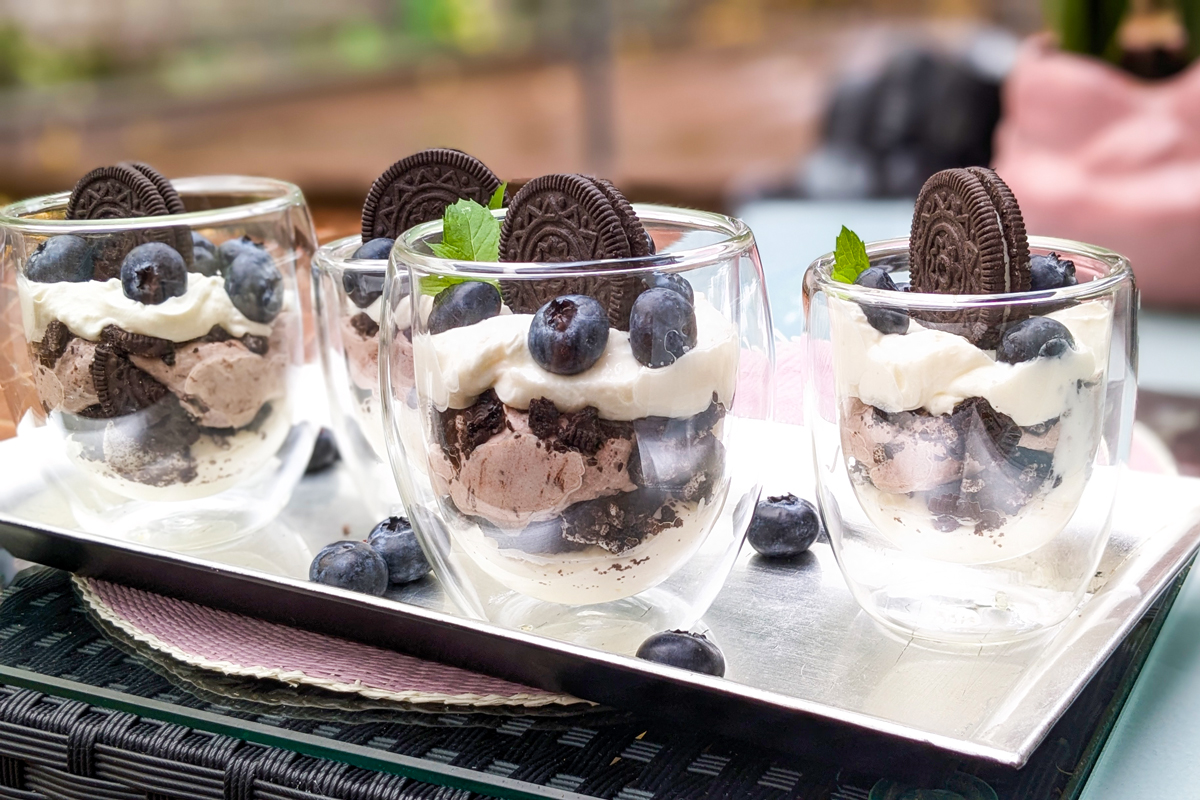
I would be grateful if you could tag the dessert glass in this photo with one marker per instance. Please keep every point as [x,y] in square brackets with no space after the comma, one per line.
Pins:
[347,297]
[600,507]
[201,441]
[968,499]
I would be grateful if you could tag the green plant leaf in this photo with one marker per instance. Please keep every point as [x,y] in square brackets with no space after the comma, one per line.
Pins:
[469,233]
[849,256]
[497,200]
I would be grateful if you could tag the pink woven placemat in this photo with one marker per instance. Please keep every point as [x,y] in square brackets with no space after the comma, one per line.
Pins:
[234,644]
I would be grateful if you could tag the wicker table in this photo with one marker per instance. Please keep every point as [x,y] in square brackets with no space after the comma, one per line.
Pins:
[84,714]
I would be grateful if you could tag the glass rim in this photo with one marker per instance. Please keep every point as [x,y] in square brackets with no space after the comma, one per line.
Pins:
[1120,272]
[17,216]
[336,255]
[738,238]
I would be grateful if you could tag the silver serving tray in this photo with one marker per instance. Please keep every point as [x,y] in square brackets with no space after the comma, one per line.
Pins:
[808,671]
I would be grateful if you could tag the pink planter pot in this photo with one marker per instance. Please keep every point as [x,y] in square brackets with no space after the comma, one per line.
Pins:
[1097,155]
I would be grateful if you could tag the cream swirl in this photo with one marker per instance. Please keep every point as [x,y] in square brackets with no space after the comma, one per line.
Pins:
[455,367]
[86,308]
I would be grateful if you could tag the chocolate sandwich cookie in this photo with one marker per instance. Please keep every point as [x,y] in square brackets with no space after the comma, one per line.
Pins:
[171,198]
[640,242]
[54,343]
[968,237]
[419,188]
[565,218]
[122,192]
[138,344]
[122,387]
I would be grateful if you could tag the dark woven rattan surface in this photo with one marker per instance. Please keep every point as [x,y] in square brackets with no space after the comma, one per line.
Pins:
[51,747]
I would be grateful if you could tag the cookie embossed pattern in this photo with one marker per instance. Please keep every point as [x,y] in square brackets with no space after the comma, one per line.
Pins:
[162,326]
[584,399]
[972,393]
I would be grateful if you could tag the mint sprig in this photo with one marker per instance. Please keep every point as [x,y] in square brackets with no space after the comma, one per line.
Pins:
[849,257]
[469,233]
[497,201]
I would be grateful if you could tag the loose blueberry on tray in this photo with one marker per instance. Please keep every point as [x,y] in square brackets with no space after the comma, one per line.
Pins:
[783,526]
[690,651]
[1035,337]
[463,304]
[152,272]
[324,454]
[350,565]
[62,258]
[568,334]
[395,541]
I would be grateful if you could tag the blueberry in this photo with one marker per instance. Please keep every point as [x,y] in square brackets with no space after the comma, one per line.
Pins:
[783,526]
[204,255]
[363,286]
[463,304]
[568,334]
[662,327]
[324,454]
[395,541]
[669,280]
[62,259]
[375,249]
[255,285]
[1036,337]
[152,272]
[1050,272]
[884,320]
[690,651]
[232,248]
[350,565]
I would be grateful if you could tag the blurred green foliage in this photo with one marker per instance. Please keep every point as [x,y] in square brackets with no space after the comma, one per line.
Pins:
[1090,27]
[23,62]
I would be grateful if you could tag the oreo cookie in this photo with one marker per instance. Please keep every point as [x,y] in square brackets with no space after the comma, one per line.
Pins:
[565,218]
[122,387]
[640,242]
[116,192]
[122,192]
[171,198]
[968,237]
[138,344]
[418,189]
[54,343]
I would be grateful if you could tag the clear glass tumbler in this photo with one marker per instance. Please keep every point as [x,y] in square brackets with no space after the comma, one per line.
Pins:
[170,423]
[969,495]
[598,507]
[347,299]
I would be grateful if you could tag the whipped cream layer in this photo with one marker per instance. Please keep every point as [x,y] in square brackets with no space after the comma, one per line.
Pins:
[935,370]
[87,307]
[457,366]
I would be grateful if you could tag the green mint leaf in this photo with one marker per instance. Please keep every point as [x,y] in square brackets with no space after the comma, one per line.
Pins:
[470,229]
[849,256]
[497,200]
[447,251]
[434,284]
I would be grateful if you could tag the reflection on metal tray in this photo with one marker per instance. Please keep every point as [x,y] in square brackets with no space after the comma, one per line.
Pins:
[804,662]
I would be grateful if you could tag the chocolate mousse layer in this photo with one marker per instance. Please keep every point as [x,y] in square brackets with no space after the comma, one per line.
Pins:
[546,481]
[973,466]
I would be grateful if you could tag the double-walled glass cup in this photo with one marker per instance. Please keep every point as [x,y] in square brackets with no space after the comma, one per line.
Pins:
[597,507]
[967,481]
[348,300]
[172,423]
